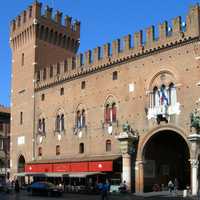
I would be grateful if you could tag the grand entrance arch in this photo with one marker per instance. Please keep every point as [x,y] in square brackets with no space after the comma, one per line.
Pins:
[165,156]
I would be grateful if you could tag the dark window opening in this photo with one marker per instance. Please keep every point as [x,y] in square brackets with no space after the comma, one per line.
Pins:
[83,85]
[51,71]
[65,66]
[115,75]
[21,118]
[62,91]
[57,150]
[44,74]
[58,68]
[73,63]
[22,59]
[108,145]
[81,148]
[40,151]
[43,97]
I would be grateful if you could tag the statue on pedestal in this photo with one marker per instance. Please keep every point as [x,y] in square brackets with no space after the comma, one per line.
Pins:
[195,120]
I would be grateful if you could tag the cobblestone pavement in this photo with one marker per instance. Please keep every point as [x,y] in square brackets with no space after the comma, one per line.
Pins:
[25,196]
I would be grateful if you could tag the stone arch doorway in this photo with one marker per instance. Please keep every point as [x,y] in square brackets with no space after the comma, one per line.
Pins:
[21,170]
[166,156]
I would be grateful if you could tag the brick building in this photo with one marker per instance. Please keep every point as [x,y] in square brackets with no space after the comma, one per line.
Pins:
[121,109]
[4,143]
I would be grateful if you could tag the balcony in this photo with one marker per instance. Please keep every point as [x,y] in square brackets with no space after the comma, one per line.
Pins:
[163,110]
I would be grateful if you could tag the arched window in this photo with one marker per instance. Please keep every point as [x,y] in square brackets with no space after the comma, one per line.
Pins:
[58,123]
[41,126]
[21,164]
[81,148]
[80,119]
[40,151]
[62,121]
[107,113]
[114,113]
[108,145]
[172,95]
[83,118]
[110,112]
[156,98]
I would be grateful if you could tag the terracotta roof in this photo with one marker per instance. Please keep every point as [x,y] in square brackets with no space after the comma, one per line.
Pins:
[78,159]
[4,109]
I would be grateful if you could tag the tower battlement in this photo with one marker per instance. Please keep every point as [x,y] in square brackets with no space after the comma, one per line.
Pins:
[46,25]
[130,46]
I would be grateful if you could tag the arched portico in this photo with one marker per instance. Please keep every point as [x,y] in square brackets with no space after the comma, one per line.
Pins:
[163,154]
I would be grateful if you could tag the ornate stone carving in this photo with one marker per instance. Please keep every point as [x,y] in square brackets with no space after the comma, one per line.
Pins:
[194,163]
[195,121]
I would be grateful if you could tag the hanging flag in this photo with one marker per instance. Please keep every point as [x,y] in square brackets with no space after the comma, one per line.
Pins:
[163,98]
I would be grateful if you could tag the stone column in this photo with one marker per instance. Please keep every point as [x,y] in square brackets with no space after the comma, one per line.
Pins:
[126,170]
[194,176]
[127,140]
[139,178]
[195,145]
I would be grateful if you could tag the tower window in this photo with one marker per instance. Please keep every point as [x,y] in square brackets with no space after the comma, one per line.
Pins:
[57,150]
[43,97]
[108,145]
[83,85]
[22,59]
[62,91]
[21,118]
[115,75]
[81,148]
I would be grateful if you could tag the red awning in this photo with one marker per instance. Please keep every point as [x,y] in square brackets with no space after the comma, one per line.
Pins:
[89,166]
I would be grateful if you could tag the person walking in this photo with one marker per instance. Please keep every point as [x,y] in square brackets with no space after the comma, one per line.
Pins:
[170,185]
[17,186]
[104,190]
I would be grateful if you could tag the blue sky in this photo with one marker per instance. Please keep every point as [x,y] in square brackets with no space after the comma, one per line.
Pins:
[101,21]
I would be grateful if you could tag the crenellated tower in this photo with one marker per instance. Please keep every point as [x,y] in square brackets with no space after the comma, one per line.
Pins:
[37,40]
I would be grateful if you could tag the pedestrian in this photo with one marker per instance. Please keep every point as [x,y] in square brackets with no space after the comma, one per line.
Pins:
[170,185]
[104,190]
[123,187]
[17,186]
[175,184]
